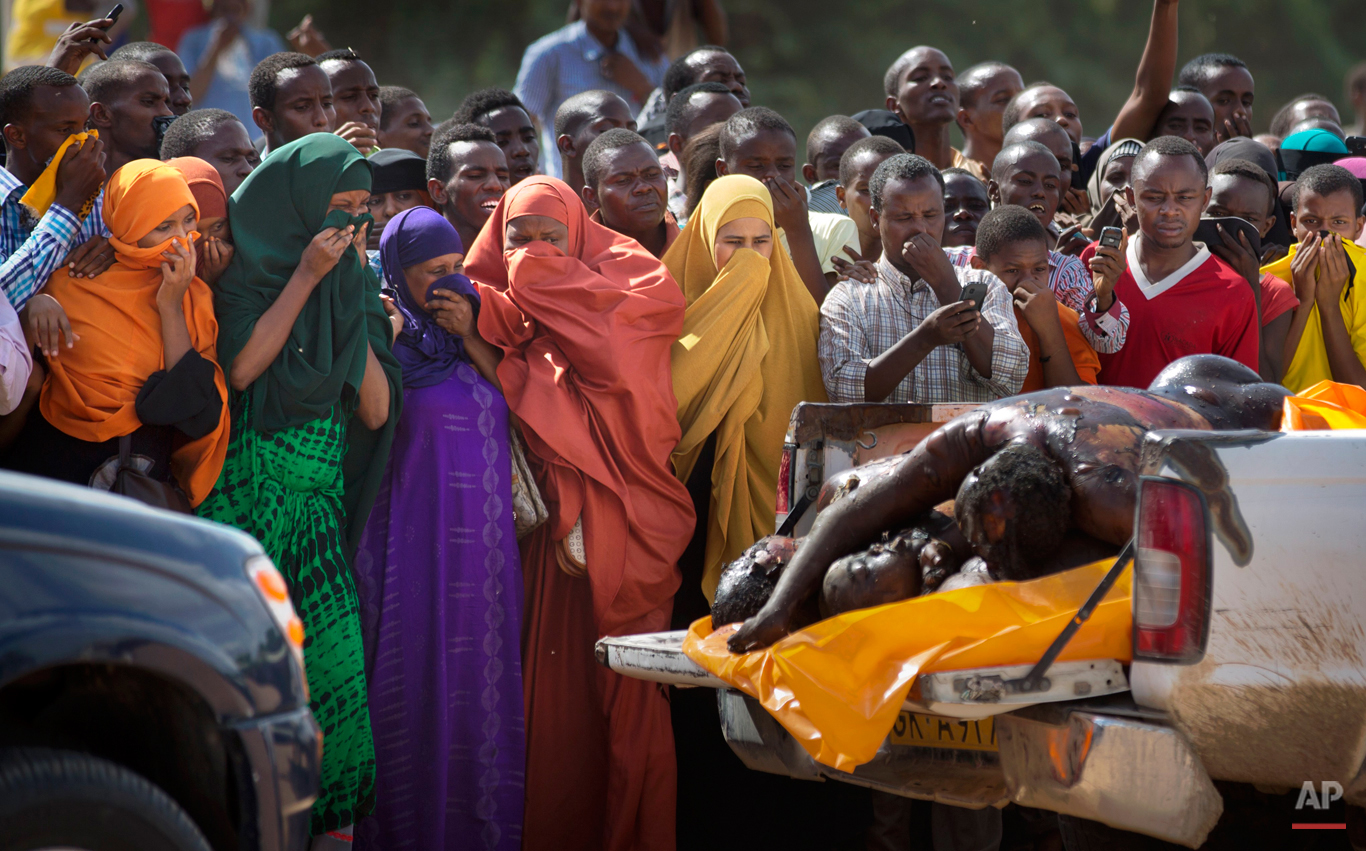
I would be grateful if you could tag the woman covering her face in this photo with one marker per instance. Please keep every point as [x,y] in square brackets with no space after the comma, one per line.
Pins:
[746,358]
[143,362]
[305,343]
[438,570]
[585,317]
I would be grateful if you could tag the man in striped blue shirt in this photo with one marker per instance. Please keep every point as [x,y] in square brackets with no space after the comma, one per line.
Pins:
[594,52]
[39,108]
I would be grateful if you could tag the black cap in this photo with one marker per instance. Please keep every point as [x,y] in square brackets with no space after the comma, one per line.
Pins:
[880,122]
[396,169]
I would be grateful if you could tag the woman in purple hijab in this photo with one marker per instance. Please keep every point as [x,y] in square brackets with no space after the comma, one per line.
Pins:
[438,575]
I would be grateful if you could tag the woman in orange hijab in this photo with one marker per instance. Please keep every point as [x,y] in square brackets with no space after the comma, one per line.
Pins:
[143,363]
[585,319]
[214,246]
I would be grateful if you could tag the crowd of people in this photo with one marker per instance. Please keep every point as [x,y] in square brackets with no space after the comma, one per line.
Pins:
[488,390]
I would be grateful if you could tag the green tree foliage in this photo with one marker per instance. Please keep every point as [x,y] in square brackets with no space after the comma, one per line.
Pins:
[812,58]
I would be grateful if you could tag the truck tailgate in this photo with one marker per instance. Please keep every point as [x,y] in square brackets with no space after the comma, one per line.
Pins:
[1279,697]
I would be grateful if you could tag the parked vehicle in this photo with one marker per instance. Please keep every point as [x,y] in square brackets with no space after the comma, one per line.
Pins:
[152,693]
[1247,679]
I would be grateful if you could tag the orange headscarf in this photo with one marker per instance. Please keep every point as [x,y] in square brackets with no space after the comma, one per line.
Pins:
[586,336]
[91,389]
[206,184]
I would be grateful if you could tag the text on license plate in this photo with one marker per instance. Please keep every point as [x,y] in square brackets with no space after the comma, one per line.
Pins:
[932,731]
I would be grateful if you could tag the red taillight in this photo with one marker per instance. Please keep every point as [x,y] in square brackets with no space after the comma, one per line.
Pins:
[784,501]
[1171,574]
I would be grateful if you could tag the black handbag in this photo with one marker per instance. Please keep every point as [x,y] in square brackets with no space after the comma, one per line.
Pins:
[132,483]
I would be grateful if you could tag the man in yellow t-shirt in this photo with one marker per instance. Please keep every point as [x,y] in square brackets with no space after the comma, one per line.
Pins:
[1327,339]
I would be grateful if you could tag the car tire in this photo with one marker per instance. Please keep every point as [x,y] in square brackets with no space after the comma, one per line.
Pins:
[66,799]
[1079,834]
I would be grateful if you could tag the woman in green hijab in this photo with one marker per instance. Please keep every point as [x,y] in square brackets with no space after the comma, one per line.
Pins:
[305,343]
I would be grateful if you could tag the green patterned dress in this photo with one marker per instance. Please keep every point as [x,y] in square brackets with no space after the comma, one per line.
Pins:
[286,489]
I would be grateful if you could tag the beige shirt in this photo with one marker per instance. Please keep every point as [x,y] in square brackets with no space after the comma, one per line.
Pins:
[831,232]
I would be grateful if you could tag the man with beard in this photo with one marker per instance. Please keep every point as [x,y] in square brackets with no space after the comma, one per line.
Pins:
[127,97]
[355,97]
[625,187]
[466,175]
[503,113]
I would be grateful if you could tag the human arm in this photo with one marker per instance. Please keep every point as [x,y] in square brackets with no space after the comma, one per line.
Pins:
[452,311]
[272,330]
[1238,254]
[1343,360]
[712,17]
[1105,330]
[1274,336]
[221,34]
[619,68]
[928,260]
[214,261]
[16,360]
[306,38]
[79,178]
[927,475]
[373,407]
[78,42]
[1303,277]
[1154,79]
[1040,310]
[177,273]
[790,214]
[842,348]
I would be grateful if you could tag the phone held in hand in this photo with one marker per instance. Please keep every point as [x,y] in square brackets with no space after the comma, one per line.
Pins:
[1208,232]
[114,13]
[976,293]
[1111,237]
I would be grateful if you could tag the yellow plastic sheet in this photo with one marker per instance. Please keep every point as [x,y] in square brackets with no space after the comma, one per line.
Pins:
[838,685]
[1327,405]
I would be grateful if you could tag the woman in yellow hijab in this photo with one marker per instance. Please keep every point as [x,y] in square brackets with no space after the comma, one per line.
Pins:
[746,358]
[144,359]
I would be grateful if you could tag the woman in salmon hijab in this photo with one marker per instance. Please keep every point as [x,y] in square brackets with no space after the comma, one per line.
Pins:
[214,247]
[585,318]
[746,358]
[144,362]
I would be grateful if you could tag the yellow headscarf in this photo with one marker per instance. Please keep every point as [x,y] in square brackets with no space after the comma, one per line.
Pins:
[747,356]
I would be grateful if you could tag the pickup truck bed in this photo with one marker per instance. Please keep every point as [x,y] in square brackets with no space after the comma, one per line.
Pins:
[1249,639]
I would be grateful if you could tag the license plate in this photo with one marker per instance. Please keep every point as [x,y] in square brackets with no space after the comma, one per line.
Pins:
[932,731]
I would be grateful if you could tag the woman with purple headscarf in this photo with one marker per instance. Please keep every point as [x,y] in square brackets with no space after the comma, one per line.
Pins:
[438,575]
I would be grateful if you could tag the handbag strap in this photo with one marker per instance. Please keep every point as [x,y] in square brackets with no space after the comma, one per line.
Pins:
[125,451]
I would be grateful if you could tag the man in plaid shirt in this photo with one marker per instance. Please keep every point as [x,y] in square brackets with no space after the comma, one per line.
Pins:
[39,108]
[908,337]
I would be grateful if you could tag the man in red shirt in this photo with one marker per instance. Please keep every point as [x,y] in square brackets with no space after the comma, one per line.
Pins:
[1182,300]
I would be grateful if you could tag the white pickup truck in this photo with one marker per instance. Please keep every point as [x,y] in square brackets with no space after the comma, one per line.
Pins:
[1249,662]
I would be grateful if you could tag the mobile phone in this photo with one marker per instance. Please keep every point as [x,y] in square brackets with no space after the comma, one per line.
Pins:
[114,13]
[975,292]
[1111,237]
[1356,145]
[1208,232]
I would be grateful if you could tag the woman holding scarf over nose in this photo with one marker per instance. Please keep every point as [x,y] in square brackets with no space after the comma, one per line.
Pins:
[306,346]
[438,574]
[144,363]
[585,317]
